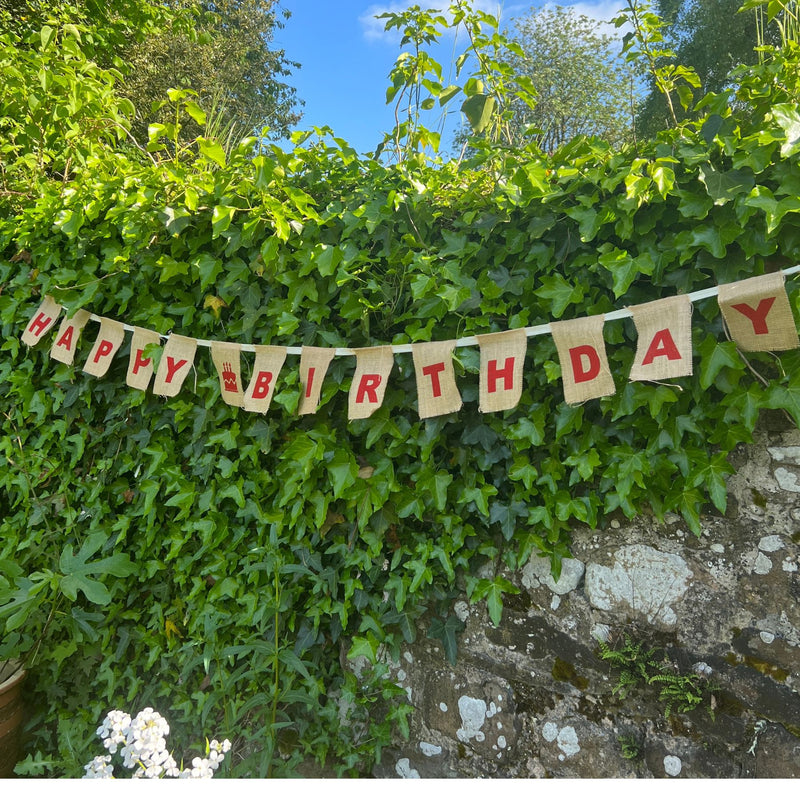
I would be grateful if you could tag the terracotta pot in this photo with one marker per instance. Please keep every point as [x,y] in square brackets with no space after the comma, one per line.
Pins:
[11,716]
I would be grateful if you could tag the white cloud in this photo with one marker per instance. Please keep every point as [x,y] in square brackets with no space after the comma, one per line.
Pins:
[373,29]
[603,11]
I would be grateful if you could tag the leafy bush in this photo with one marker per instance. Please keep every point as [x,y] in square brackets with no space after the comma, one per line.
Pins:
[262,548]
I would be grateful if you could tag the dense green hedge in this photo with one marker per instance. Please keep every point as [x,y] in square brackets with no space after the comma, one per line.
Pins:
[237,553]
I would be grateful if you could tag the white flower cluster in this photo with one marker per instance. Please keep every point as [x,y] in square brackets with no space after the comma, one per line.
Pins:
[143,747]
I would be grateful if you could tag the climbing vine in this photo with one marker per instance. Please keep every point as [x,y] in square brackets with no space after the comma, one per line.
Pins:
[185,555]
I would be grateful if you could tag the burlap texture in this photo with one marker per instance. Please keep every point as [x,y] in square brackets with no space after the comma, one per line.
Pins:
[664,347]
[66,341]
[373,366]
[437,392]
[267,367]
[314,363]
[109,340]
[758,314]
[582,352]
[140,369]
[228,363]
[502,363]
[177,360]
[42,321]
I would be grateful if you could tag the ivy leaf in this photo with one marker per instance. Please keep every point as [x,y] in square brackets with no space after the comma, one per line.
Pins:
[365,647]
[208,268]
[625,269]
[441,480]
[787,398]
[559,293]
[77,569]
[715,357]
[175,220]
[446,631]
[507,515]
[405,621]
[343,471]
[713,475]
[688,502]
[724,186]
[788,117]
[492,591]
[221,218]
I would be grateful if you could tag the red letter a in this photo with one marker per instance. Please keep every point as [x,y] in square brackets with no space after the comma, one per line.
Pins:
[66,338]
[662,345]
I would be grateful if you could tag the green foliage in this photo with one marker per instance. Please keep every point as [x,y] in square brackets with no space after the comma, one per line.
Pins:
[630,747]
[645,45]
[582,85]
[710,37]
[640,666]
[490,92]
[226,56]
[635,662]
[57,108]
[217,565]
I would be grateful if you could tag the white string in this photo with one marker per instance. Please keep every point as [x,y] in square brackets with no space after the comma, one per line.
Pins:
[467,341]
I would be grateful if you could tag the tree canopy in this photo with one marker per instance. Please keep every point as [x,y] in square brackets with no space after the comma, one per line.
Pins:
[222,51]
[710,36]
[227,58]
[583,86]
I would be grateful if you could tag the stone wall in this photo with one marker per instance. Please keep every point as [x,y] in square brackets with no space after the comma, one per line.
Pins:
[533,698]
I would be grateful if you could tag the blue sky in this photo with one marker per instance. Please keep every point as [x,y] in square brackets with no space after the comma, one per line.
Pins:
[346,58]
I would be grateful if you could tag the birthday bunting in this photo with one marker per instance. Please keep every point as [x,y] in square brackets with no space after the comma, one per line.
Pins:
[664,330]
[373,365]
[229,369]
[176,362]
[109,340]
[140,368]
[756,312]
[268,364]
[314,363]
[437,393]
[582,353]
[502,360]
[44,319]
[69,332]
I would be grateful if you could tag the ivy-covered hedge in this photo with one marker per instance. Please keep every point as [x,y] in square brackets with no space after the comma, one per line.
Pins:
[237,554]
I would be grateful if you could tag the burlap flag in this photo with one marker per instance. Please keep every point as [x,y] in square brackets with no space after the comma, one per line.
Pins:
[314,363]
[502,361]
[664,330]
[758,314]
[437,393]
[140,369]
[177,360]
[42,321]
[582,353]
[69,332]
[268,363]
[227,360]
[109,340]
[373,365]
